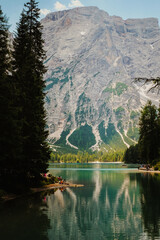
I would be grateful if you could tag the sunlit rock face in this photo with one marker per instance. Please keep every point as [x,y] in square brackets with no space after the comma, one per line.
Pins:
[92,60]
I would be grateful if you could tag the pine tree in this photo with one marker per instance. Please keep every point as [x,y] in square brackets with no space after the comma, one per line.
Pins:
[9,147]
[131,154]
[148,140]
[28,67]
[4,90]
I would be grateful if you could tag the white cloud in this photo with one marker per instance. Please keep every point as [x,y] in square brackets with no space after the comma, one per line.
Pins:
[75,3]
[44,11]
[59,6]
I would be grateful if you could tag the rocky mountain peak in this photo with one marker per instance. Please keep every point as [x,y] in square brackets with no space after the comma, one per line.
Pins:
[92,59]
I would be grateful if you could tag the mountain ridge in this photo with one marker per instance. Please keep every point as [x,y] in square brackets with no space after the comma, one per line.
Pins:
[92,59]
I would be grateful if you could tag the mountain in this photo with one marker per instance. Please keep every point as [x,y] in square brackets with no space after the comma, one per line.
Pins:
[92,100]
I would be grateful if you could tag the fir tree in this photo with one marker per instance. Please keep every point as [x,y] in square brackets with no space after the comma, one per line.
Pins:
[4,90]
[4,52]
[149,133]
[131,154]
[28,66]
[9,137]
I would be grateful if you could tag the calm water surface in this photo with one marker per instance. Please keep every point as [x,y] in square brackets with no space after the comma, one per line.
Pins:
[115,203]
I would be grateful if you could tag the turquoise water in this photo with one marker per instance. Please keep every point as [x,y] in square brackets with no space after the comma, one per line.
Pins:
[116,202]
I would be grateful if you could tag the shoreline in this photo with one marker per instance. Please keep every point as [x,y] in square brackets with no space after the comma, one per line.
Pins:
[48,187]
[149,171]
[105,162]
[55,185]
[84,162]
[10,196]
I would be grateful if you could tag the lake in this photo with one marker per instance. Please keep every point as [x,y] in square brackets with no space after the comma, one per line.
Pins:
[115,203]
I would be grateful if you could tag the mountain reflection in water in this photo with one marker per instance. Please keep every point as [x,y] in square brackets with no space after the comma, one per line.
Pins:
[99,212]
[111,205]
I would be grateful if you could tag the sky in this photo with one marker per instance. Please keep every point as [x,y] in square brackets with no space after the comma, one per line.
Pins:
[123,8]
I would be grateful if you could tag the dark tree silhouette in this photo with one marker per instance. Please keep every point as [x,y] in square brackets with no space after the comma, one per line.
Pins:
[28,58]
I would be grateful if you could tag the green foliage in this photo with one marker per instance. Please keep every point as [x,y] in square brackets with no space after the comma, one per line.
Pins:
[149,140]
[119,112]
[28,69]
[83,137]
[63,149]
[127,139]
[118,90]
[111,131]
[109,90]
[65,78]
[55,157]
[157,166]
[102,131]
[53,82]
[64,81]
[47,99]
[131,155]
[69,119]
[62,140]
[57,70]
[134,115]
[112,156]
[110,136]
[4,48]
[10,140]
[85,157]
[4,89]
[120,126]
[83,99]
[147,149]
[66,71]
[103,109]
[133,133]
[83,109]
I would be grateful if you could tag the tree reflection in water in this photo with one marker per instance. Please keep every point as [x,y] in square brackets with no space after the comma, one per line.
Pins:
[150,203]
[25,218]
[109,210]
[112,205]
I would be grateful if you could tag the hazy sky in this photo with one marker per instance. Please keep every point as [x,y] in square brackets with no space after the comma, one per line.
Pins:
[123,8]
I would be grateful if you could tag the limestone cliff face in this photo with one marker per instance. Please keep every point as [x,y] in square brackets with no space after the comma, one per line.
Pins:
[92,59]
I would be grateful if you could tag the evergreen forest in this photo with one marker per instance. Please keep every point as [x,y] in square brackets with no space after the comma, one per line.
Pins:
[87,157]
[147,150]
[24,150]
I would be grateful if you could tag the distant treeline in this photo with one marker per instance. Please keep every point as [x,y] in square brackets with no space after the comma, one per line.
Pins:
[85,157]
